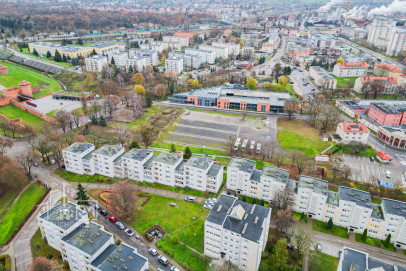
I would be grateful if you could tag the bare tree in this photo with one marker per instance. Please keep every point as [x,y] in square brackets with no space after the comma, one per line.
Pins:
[230,144]
[122,132]
[138,104]
[63,118]
[284,220]
[27,159]
[328,117]
[244,114]
[75,117]
[336,167]
[83,102]
[123,199]
[96,107]
[279,157]
[282,199]
[346,172]
[110,105]
[43,264]
[5,143]
[225,266]
[302,239]
[147,135]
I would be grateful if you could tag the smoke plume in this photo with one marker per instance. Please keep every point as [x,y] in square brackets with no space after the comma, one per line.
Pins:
[395,6]
[330,4]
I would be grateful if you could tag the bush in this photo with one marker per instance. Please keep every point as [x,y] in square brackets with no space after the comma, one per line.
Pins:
[364,235]
[175,239]
[49,256]
[118,242]
[186,189]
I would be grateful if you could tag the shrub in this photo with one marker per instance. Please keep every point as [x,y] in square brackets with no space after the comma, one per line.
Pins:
[175,240]
[187,188]
[330,224]
[364,235]
[118,242]
[49,256]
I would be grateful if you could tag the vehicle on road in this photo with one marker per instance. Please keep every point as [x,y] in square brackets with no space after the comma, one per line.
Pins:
[208,206]
[387,174]
[371,159]
[153,251]
[163,260]
[244,144]
[190,199]
[174,268]
[112,219]
[96,206]
[103,212]
[120,225]
[318,247]
[129,232]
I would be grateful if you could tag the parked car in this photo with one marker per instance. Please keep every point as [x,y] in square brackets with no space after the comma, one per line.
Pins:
[174,268]
[153,252]
[103,212]
[252,146]
[387,174]
[112,219]
[163,260]
[318,247]
[208,207]
[137,237]
[190,199]
[371,159]
[129,232]
[120,225]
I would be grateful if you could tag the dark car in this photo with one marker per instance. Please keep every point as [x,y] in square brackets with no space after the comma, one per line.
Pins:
[103,212]
[371,159]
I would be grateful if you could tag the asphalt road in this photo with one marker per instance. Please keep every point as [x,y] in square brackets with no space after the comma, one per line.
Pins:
[297,77]
[394,153]
[268,66]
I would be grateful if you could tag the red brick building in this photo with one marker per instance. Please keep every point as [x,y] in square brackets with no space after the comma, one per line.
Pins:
[387,115]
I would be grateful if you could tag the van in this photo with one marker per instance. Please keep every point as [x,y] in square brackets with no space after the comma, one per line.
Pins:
[252,145]
[237,144]
[244,144]
[190,199]
[387,174]
[163,260]
[258,148]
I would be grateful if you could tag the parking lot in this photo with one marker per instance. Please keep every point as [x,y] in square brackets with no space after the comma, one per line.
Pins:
[363,170]
[48,104]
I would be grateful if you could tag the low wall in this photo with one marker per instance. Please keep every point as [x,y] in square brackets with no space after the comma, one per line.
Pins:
[32,111]
[4,101]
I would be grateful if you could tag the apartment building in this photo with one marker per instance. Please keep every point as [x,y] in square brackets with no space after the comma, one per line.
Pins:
[133,163]
[353,132]
[189,61]
[351,259]
[104,158]
[167,45]
[105,48]
[202,174]
[394,215]
[266,184]
[183,41]
[347,69]
[322,78]
[233,48]
[60,220]
[388,114]
[397,41]
[158,48]
[74,154]
[138,63]
[387,70]
[379,32]
[120,59]
[389,83]
[248,52]
[164,167]
[96,63]
[174,64]
[205,56]
[221,52]
[237,232]
[151,57]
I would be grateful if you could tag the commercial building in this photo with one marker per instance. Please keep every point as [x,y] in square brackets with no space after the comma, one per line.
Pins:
[351,259]
[387,115]
[325,41]
[151,57]
[237,232]
[174,64]
[105,48]
[221,52]
[199,173]
[71,51]
[397,41]
[205,56]
[96,63]
[233,48]
[235,97]
[353,132]
[120,59]
[346,69]
[393,136]
[322,78]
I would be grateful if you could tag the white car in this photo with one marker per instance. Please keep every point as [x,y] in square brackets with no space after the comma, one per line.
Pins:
[120,225]
[129,232]
[252,146]
[174,268]
[153,252]
[208,207]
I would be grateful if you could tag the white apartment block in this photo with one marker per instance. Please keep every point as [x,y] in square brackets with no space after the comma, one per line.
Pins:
[183,41]
[247,52]
[158,48]
[205,56]
[379,32]
[394,217]
[74,154]
[266,184]
[171,45]
[199,173]
[347,69]
[237,231]
[60,220]
[233,48]
[138,63]
[221,52]
[353,132]
[150,55]
[397,41]
[96,63]
[120,59]
[189,61]
[174,64]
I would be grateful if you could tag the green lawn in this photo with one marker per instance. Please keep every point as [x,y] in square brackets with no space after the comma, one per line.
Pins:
[181,190]
[300,136]
[40,247]
[14,112]
[349,82]
[167,146]
[6,199]
[323,262]
[17,74]
[337,230]
[76,178]
[346,149]
[20,210]
[143,119]
[374,242]
[44,58]
[157,211]
[193,235]
[296,216]
[52,113]
[187,258]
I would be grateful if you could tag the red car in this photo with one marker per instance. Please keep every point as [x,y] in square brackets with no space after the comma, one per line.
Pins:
[112,219]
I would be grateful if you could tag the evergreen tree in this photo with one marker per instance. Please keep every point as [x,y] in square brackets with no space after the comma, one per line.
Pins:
[254,201]
[68,58]
[81,196]
[58,57]
[93,53]
[330,224]
[148,99]
[94,120]
[35,53]
[80,42]
[187,154]
[49,54]
[244,198]
[64,58]
[134,145]
[262,202]
[173,149]
[112,61]
[387,240]
[160,35]
[102,121]
[130,69]
[364,235]
[86,130]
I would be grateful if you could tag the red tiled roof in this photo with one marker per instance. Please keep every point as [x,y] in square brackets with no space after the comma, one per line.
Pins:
[353,65]
[389,67]
[352,127]
[184,34]
[386,79]
[383,155]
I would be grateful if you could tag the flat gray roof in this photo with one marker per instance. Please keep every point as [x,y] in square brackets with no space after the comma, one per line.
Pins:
[137,154]
[103,45]
[64,215]
[108,150]
[278,174]
[201,162]
[394,207]
[120,258]
[360,198]
[88,238]
[149,162]
[169,158]
[242,164]
[79,147]
[214,170]
[256,176]
[317,185]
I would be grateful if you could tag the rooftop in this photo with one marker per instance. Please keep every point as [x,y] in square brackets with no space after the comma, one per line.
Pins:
[120,258]
[64,215]
[104,45]
[278,174]
[360,198]
[199,162]
[169,158]
[353,65]
[79,147]
[394,207]
[242,164]
[108,150]
[88,238]
[317,185]
[352,127]
[214,170]
[137,154]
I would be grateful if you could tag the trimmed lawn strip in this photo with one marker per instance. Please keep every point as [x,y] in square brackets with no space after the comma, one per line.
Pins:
[187,258]
[52,113]
[182,190]
[20,210]
[228,114]
[40,247]
[167,146]
[347,81]
[6,199]
[346,149]
[13,112]
[324,262]
[374,242]
[193,235]
[337,230]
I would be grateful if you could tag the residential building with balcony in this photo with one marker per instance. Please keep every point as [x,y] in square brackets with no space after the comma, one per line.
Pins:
[174,64]
[74,154]
[389,83]
[189,61]
[96,63]
[164,168]
[205,56]
[182,41]
[104,158]
[221,52]
[233,48]
[133,163]
[151,57]
[120,59]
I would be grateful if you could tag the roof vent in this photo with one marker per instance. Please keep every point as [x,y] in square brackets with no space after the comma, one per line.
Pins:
[245,227]
[253,208]
[219,208]
[256,220]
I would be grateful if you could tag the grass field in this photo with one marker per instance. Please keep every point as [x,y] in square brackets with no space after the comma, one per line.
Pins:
[76,178]
[193,235]
[17,74]
[300,136]
[20,210]
[374,242]
[337,230]
[346,149]
[323,262]
[44,58]
[13,112]
[349,82]
[6,199]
